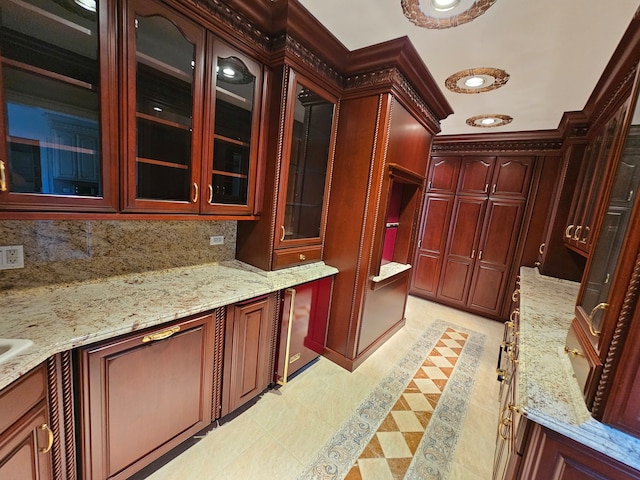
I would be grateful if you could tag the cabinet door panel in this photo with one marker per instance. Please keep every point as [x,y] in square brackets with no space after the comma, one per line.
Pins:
[497,244]
[20,457]
[512,176]
[443,174]
[437,215]
[247,353]
[461,252]
[143,395]
[475,175]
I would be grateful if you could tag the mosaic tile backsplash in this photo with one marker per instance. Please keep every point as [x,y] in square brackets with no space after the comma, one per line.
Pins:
[66,251]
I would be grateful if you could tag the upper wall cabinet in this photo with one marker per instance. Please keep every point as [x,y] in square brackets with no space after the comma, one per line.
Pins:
[298,171]
[57,123]
[192,117]
[596,163]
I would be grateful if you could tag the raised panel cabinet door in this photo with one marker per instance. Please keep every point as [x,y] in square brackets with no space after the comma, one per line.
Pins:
[551,456]
[432,242]
[247,352]
[25,450]
[497,244]
[143,394]
[443,174]
[457,268]
[512,177]
[475,175]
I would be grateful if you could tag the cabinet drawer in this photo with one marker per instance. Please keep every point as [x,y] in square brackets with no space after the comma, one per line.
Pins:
[296,256]
[586,364]
[22,395]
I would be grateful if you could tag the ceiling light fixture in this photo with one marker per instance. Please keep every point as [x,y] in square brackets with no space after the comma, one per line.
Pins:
[89,5]
[444,5]
[489,120]
[432,14]
[476,80]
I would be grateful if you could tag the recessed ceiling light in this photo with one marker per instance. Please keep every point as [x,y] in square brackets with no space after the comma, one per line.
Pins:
[489,120]
[474,82]
[444,5]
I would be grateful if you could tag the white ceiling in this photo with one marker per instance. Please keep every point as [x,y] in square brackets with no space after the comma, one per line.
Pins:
[554,52]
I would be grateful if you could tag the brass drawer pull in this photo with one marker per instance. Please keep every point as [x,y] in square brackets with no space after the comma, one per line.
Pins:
[302,256]
[600,306]
[515,295]
[153,337]
[47,429]
[573,352]
[210,199]
[541,248]
[282,233]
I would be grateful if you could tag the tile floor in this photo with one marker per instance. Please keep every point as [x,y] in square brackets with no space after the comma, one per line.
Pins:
[281,434]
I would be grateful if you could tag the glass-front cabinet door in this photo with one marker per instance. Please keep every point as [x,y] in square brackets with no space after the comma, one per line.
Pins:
[594,302]
[306,170]
[164,87]
[56,128]
[231,131]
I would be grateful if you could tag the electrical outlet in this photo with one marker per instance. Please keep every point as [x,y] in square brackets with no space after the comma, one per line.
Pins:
[216,240]
[11,256]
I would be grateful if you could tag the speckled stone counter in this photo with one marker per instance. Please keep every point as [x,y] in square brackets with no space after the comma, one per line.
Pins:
[65,316]
[548,392]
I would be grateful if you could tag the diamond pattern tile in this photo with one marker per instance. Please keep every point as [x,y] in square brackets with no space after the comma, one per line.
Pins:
[391,449]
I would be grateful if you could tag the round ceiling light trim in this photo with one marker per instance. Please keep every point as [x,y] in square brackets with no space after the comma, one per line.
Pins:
[490,120]
[486,78]
[432,13]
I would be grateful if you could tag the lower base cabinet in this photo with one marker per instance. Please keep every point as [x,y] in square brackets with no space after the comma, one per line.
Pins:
[249,351]
[552,456]
[143,394]
[25,436]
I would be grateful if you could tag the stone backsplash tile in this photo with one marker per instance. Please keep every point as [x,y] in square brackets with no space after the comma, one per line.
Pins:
[66,251]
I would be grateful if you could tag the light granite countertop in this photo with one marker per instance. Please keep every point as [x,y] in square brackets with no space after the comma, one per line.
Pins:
[548,392]
[65,316]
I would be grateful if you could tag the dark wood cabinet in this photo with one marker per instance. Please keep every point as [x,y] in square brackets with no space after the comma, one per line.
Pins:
[443,174]
[432,243]
[249,351]
[26,438]
[143,394]
[292,225]
[373,217]
[59,108]
[551,456]
[596,167]
[468,261]
[192,123]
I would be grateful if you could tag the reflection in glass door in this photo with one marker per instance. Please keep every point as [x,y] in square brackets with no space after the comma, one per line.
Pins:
[51,80]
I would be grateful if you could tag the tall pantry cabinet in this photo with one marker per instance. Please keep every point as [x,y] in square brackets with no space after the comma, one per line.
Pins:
[473,212]
[380,164]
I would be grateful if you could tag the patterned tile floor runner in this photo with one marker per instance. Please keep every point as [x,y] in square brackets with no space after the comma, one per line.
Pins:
[391,449]
[408,426]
